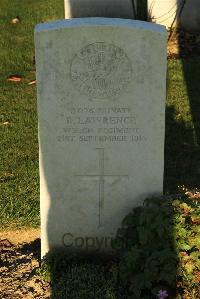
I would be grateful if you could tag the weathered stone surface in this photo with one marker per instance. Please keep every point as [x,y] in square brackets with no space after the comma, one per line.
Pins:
[101,104]
[99,8]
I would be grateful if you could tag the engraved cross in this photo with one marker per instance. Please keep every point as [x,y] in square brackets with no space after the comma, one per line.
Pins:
[101,177]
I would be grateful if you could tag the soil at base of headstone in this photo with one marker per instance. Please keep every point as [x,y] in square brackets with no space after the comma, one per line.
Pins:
[19,260]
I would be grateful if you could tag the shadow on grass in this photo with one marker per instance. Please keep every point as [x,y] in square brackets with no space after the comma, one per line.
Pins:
[74,276]
[189,170]
[191,69]
[182,153]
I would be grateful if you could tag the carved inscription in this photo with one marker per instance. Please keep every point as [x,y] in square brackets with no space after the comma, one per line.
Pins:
[101,70]
[101,176]
[97,125]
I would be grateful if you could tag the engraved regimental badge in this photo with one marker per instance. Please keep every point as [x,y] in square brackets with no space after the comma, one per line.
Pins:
[101,70]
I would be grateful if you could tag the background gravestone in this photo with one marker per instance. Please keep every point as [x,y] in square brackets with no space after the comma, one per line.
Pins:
[101,104]
[172,12]
[99,8]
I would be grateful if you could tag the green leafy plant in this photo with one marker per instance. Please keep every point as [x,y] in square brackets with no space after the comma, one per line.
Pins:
[162,249]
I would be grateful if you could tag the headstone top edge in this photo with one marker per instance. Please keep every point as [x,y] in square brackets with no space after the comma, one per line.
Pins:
[81,22]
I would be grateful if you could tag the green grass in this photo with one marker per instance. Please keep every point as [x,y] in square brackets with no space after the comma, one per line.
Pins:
[19,178]
[182,145]
[78,278]
[19,203]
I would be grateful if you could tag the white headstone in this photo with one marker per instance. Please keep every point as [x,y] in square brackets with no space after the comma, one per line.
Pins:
[172,12]
[164,11]
[101,103]
[99,8]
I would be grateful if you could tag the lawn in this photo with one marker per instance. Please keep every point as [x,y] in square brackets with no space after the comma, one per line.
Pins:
[19,174]
[182,143]
[19,203]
